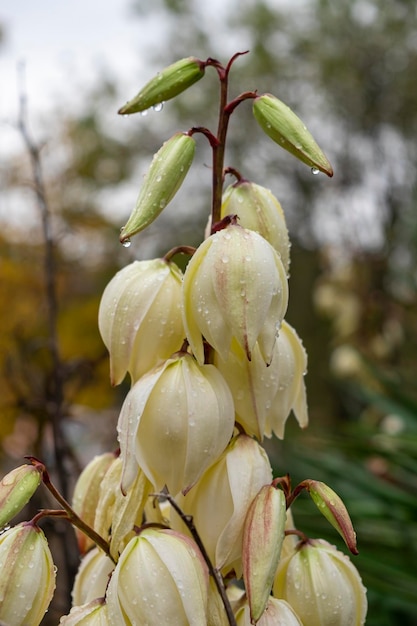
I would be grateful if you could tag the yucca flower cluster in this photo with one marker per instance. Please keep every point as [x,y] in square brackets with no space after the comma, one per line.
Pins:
[185,524]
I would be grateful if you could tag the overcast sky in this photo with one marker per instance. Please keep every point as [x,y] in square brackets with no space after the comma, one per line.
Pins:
[64,46]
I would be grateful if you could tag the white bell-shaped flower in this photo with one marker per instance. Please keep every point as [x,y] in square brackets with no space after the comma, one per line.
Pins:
[291,392]
[175,422]
[234,286]
[140,317]
[322,585]
[221,499]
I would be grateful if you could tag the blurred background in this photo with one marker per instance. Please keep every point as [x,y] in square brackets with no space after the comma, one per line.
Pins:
[70,171]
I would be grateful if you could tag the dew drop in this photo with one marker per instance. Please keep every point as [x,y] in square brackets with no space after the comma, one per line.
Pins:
[126,243]
[144,113]
[315,171]
[158,107]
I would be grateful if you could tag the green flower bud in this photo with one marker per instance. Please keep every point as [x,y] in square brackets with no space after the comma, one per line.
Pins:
[322,586]
[162,181]
[16,489]
[86,495]
[173,80]
[263,535]
[175,422]
[92,577]
[160,578]
[27,580]
[231,483]
[291,393]
[234,286]
[140,318]
[334,510]
[283,126]
[259,210]
[277,613]
[93,613]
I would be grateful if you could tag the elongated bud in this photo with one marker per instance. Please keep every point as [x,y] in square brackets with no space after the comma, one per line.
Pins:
[263,534]
[173,80]
[93,613]
[27,580]
[334,510]
[162,181]
[87,492]
[160,578]
[284,127]
[259,210]
[16,489]
[322,586]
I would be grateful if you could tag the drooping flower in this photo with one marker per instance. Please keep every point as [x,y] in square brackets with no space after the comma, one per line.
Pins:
[27,581]
[175,422]
[291,392]
[160,579]
[92,577]
[231,483]
[87,493]
[322,585]
[140,317]
[118,512]
[253,384]
[235,286]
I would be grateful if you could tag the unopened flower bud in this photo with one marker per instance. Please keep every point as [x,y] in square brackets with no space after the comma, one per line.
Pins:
[291,393]
[92,577]
[162,181]
[16,489]
[263,534]
[27,580]
[232,483]
[334,510]
[140,317]
[259,210]
[283,126]
[322,586]
[173,80]
[86,495]
[93,613]
[175,422]
[160,578]
[277,613]
[234,286]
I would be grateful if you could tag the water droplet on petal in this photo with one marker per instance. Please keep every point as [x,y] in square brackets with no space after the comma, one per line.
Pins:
[315,171]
